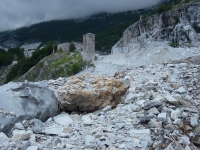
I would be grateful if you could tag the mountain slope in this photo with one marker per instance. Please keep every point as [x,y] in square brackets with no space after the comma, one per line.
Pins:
[180,27]
[72,30]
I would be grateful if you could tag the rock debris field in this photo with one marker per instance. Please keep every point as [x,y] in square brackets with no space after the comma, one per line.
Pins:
[160,111]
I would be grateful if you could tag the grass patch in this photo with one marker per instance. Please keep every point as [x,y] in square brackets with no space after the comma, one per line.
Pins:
[174,44]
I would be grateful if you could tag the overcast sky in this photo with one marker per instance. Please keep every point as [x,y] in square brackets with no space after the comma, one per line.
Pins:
[18,13]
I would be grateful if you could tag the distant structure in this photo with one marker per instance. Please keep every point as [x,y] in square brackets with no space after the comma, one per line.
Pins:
[88,47]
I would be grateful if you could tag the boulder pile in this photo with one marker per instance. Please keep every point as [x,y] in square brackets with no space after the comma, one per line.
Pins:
[160,111]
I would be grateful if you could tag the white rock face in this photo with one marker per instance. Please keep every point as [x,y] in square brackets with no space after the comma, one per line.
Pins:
[30,48]
[172,26]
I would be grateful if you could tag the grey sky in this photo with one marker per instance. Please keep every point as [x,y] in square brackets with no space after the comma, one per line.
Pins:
[18,13]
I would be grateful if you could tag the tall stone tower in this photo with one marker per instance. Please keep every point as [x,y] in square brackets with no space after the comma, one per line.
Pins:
[88,47]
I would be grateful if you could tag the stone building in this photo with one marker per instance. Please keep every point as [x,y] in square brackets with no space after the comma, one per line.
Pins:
[89,47]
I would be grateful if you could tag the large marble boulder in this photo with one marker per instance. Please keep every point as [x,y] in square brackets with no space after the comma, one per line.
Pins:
[90,93]
[21,101]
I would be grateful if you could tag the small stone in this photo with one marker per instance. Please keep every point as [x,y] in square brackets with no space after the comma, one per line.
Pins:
[143,134]
[178,122]
[181,90]
[153,111]
[63,119]
[191,110]
[155,124]
[67,130]
[145,119]
[187,148]
[129,98]
[164,76]
[107,108]
[187,127]
[178,146]
[184,115]
[175,85]
[170,128]
[87,120]
[151,104]
[25,123]
[89,140]
[21,135]
[69,146]
[157,144]
[120,125]
[194,120]
[112,136]
[175,114]
[171,99]
[197,130]
[149,88]
[159,98]
[37,130]
[25,144]
[54,129]
[162,117]
[33,148]
[122,146]
[57,142]
[49,120]
[184,139]
[38,122]
[169,147]
[134,107]
[171,65]
[19,126]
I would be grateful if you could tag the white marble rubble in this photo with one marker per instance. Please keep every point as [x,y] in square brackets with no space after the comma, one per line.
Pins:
[157,113]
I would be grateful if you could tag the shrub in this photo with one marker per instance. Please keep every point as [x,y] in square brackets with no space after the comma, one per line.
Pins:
[164,8]
[75,68]
[25,64]
[72,47]
[17,52]
[5,58]
[174,44]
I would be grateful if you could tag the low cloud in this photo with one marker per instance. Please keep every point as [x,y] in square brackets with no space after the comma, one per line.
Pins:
[19,13]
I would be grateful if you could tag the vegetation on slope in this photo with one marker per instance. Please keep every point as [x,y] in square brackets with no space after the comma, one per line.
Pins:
[60,64]
[25,64]
[6,58]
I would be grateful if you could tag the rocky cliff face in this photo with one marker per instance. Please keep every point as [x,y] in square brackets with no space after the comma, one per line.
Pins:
[181,26]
